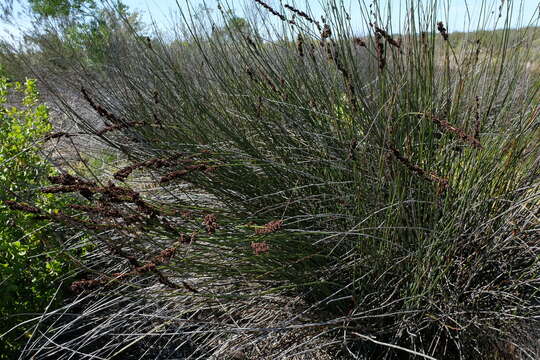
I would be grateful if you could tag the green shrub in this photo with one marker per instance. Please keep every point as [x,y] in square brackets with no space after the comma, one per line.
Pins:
[30,256]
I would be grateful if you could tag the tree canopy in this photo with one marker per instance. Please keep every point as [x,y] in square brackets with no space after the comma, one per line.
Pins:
[59,8]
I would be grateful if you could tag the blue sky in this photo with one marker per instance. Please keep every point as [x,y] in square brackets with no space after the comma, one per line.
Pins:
[458,15]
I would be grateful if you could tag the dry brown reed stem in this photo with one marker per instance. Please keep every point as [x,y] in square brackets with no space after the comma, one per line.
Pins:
[145,268]
[86,190]
[274,12]
[144,208]
[173,175]
[59,134]
[270,227]
[116,250]
[109,194]
[139,269]
[259,248]
[165,255]
[22,206]
[183,172]
[60,217]
[87,224]
[118,123]
[67,179]
[185,239]
[98,210]
[98,108]
[431,176]
[442,30]
[304,15]
[446,126]
[380,51]
[119,126]
[124,173]
[387,36]
[81,285]
[152,267]
[114,193]
[156,163]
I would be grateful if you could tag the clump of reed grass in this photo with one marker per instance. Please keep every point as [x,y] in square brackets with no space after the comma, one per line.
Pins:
[390,244]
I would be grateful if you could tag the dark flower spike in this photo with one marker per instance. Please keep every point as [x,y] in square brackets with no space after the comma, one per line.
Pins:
[431,176]
[304,15]
[442,30]
[21,206]
[326,32]
[446,126]
[387,36]
[274,12]
[270,227]
[380,51]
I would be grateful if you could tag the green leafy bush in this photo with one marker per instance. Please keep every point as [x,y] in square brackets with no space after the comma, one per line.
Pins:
[29,253]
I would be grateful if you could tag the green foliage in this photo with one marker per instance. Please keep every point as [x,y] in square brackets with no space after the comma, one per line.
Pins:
[59,8]
[3,71]
[235,27]
[95,35]
[29,259]
[68,32]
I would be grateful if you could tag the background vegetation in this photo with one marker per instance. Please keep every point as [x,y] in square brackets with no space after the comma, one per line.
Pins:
[31,259]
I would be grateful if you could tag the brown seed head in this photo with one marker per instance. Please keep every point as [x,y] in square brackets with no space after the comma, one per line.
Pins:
[270,227]
[210,221]
[259,248]
[326,32]
[359,42]
[145,268]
